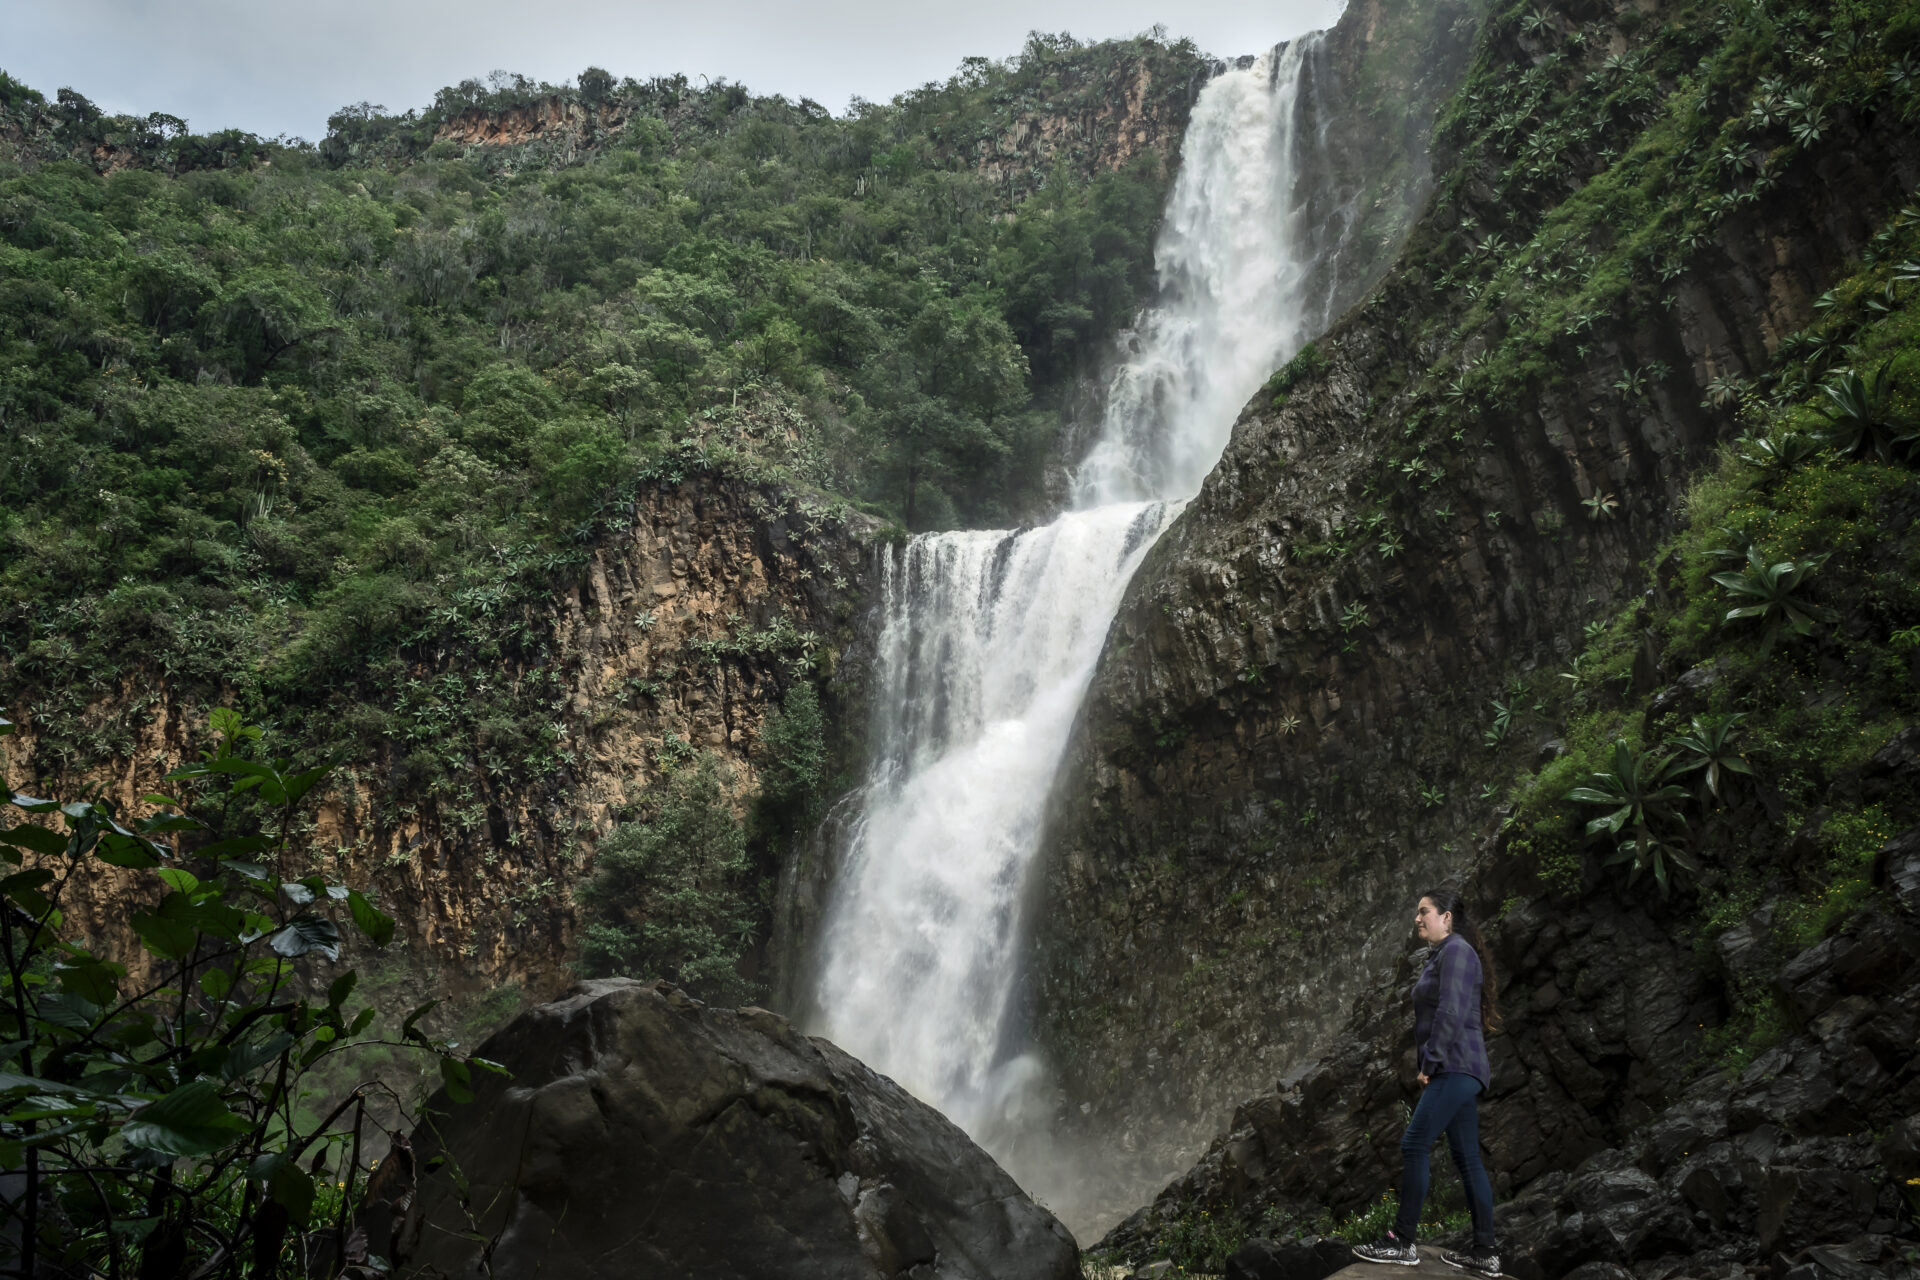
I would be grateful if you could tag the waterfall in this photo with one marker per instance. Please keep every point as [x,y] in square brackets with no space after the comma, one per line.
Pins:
[990,637]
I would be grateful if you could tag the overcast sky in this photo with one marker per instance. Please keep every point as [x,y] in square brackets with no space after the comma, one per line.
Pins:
[277,67]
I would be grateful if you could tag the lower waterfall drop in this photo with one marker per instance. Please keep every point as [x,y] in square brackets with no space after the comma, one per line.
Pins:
[990,637]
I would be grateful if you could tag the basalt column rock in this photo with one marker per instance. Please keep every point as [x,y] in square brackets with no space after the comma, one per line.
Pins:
[643,1134]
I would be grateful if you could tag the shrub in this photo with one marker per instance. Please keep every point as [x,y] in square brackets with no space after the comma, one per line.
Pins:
[155,1124]
[668,897]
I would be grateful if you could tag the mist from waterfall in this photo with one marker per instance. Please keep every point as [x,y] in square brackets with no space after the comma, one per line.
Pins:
[990,637]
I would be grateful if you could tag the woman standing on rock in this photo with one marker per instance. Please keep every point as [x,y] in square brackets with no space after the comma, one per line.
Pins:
[1455,1003]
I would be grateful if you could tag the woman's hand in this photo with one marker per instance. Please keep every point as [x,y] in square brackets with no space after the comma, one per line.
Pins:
[1421,1079]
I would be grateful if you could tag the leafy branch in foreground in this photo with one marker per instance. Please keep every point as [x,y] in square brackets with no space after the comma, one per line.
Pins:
[154,1111]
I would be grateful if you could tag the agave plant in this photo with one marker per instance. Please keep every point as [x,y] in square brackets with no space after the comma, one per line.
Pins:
[1502,721]
[1860,414]
[1778,454]
[1774,590]
[1639,791]
[1725,389]
[1645,851]
[1707,747]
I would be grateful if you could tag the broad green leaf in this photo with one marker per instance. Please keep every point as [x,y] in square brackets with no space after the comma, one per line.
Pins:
[244,768]
[297,893]
[210,916]
[36,838]
[180,880]
[130,1031]
[64,1009]
[125,851]
[375,923]
[168,939]
[96,982]
[305,934]
[225,722]
[1609,822]
[234,847]
[342,988]
[251,1055]
[216,983]
[47,1109]
[31,900]
[10,1081]
[190,1121]
[300,783]
[408,1030]
[458,1079]
[292,1188]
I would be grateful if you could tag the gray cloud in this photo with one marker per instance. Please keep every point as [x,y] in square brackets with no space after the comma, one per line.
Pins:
[283,68]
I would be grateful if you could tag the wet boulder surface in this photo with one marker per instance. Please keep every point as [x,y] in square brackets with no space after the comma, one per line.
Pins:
[644,1134]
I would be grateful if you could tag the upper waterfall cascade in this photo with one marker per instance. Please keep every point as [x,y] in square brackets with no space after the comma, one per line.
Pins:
[990,637]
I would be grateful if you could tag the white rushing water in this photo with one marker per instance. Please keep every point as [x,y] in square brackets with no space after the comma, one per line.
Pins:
[990,637]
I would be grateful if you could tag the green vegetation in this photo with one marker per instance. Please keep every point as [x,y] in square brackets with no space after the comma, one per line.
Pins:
[1307,363]
[1639,792]
[666,897]
[161,1114]
[797,758]
[1797,677]
[1200,1241]
[329,426]
[1581,189]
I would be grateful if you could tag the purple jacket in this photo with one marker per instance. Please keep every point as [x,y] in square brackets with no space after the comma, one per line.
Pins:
[1447,1035]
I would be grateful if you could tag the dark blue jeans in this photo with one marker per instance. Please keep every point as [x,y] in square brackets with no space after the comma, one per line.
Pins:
[1451,1102]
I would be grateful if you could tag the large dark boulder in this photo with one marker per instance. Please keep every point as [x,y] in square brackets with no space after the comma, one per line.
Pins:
[1311,1258]
[643,1134]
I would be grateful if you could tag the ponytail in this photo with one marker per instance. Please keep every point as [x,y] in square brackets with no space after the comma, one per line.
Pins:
[1449,902]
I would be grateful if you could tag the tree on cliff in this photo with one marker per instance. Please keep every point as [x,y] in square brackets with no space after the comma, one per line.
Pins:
[667,897]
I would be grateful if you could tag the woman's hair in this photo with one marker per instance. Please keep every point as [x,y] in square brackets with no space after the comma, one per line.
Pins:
[1448,902]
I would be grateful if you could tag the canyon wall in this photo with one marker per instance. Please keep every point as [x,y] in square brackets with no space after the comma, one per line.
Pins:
[676,635]
[1280,748]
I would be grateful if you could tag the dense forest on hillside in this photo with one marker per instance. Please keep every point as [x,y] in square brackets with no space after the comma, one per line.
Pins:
[272,411]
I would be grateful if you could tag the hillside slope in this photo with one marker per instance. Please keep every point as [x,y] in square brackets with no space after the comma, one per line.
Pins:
[1462,495]
[523,451]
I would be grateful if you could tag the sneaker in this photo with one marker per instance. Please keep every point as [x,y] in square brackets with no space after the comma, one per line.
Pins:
[1389,1248]
[1480,1264]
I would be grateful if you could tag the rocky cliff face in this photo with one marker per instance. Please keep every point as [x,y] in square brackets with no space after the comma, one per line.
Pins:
[1615,1142]
[575,123]
[676,635]
[1128,113]
[1273,757]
